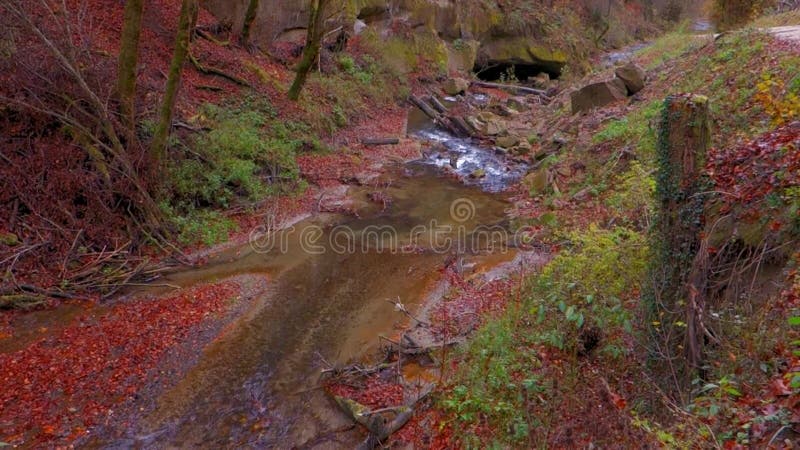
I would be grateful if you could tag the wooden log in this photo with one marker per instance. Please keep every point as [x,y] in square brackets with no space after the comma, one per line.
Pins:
[380,141]
[512,88]
[436,104]
[424,107]
[462,126]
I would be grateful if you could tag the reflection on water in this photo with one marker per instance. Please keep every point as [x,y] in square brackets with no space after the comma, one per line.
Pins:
[256,385]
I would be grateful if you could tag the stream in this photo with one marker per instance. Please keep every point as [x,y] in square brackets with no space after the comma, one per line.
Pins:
[330,281]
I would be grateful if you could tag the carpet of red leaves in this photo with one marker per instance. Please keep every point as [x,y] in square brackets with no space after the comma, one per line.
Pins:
[55,389]
[746,175]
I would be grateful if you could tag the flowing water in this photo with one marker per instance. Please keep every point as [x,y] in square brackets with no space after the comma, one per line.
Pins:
[330,281]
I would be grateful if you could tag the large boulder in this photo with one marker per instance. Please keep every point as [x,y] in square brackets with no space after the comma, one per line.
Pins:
[633,76]
[521,51]
[461,55]
[455,86]
[598,95]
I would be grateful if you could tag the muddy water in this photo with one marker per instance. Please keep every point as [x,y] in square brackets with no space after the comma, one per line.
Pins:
[257,384]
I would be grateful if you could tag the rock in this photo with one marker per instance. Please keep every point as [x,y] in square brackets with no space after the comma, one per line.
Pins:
[486,116]
[477,174]
[559,140]
[523,148]
[461,55]
[518,104]
[490,124]
[359,26]
[9,239]
[494,127]
[537,181]
[633,76]
[507,141]
[516,51]
[455,86]
[474,122]
[543,79]
[598,94]
[503,111]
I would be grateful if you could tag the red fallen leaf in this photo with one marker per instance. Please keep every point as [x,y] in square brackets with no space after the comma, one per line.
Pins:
[775,226]
[779,388]
[619,402]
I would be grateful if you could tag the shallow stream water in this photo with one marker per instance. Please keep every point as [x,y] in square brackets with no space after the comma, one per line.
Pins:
[331,280]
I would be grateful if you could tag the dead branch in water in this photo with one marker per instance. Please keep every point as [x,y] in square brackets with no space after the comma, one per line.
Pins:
[373,420]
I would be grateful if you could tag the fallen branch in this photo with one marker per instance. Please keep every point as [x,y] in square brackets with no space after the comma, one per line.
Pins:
[208,70]
[380,141]
[379,429]
[207,36]
[402,308]
[511,88]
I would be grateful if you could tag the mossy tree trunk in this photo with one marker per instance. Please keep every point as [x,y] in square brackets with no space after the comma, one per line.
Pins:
[684,140]
[128,60]
[188,18]
[316,30]
[249,18]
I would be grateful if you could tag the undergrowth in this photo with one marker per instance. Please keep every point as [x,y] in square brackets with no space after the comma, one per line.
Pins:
[579,305]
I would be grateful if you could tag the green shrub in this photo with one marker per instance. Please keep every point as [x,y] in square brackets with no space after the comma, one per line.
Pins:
[500,381]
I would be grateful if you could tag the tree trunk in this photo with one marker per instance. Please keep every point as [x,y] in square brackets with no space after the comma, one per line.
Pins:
[128,60]
[189,10]
[249,18]
[316,29]
[684,140]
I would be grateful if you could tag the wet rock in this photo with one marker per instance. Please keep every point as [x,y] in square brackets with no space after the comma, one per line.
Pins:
[537,181]
[597,95]
[518,104]
[507,141]
[455,86]
[477,174]
[491,124]
[633,76]
[523,148]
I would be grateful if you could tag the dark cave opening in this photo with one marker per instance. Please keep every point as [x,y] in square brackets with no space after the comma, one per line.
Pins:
[506,70]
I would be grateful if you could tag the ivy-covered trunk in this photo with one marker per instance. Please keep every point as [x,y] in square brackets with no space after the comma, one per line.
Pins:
[188,18]
[128,60]
[316,29]
[680,265]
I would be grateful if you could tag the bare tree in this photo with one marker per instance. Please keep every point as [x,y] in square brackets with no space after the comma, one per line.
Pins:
[316,29]
[249,18]
[188,18]
[128,60]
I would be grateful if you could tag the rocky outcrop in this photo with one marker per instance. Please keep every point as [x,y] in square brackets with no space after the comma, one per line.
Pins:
[460,34]
[521,51]
[598,94]
[633,76]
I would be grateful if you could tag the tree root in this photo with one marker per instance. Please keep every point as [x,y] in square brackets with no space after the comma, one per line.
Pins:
[208,70]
